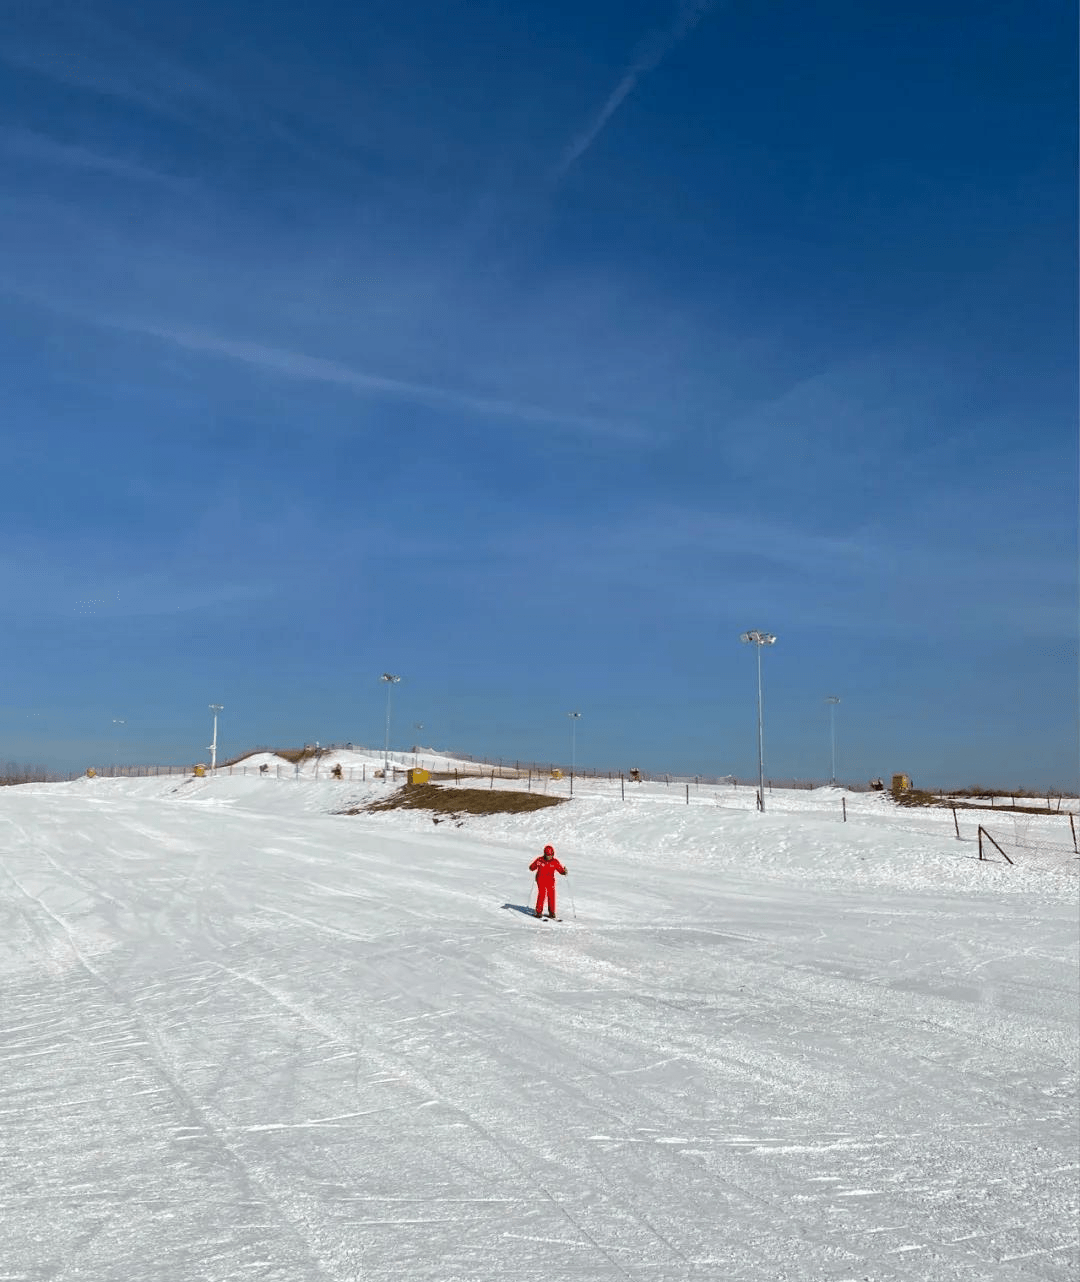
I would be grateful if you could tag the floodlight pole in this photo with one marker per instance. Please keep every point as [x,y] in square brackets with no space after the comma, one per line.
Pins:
[832,700]
[759,639]
[418,726]
[118,721]
[391,681]
[215,708]
[575,717]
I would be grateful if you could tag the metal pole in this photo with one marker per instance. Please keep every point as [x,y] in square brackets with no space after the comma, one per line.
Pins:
[215,708]
[575,717]
[386,741]
[391,680]
[118,721]
[760,737]
[759,639]
[832,700]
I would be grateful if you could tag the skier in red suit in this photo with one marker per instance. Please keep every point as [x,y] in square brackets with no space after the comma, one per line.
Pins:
[546,866]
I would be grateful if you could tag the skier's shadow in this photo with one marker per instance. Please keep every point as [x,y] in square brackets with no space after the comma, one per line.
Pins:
[521,908]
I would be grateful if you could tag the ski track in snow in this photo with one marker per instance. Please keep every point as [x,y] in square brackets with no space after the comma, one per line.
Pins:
[244,1037]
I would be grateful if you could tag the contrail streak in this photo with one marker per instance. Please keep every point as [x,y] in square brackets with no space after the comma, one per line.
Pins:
[649,54]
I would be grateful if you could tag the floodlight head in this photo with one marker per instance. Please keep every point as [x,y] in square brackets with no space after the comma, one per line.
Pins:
[758,638]
[576,715]
[216,707]
[832,698]
[389,677]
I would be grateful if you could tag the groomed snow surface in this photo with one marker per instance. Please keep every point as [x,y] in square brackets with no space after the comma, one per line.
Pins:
[245,1037]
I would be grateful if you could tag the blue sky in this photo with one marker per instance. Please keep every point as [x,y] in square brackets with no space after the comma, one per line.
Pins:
[534,352]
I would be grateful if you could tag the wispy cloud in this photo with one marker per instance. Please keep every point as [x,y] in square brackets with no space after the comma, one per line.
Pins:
[744,567]
[25,144]
[60,587]
[298,365]
[647,57]
[85,47]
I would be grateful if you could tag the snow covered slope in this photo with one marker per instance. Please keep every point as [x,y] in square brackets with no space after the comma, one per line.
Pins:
[245,1037]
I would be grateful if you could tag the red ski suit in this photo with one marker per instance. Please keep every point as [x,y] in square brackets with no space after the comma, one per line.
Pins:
[545,869]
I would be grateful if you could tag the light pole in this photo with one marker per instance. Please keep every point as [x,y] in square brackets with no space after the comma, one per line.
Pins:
[759,639]
[391,681]
[118,721]
[418,726]
[215,708]
[832,700]
[575,717]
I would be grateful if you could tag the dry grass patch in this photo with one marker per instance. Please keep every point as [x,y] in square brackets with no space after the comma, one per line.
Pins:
[913,797]
[459,801]
[919,797]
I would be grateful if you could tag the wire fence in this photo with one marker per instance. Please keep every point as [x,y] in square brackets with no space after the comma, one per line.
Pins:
[509,768]
[311,759]
[1027,846]
[1017,836]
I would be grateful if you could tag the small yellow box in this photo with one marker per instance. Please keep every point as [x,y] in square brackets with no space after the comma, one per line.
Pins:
[419,776]
[900,783]
[556,774]
[200,772]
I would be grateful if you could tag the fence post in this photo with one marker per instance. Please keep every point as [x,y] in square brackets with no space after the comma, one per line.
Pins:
[622,793]
[956,823]
[843,802]
[982,833]
[687,794]
[1073,827]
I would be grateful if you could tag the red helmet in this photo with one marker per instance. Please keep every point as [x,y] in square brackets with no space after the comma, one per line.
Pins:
[549,851]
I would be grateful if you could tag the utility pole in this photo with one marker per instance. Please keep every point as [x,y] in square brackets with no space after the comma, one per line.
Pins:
[759,640]
[832,700]
[118,721]
[575,717]
[215,708]
[391,681]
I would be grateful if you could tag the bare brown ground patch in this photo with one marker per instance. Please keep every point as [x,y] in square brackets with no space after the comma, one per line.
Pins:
[459,801]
